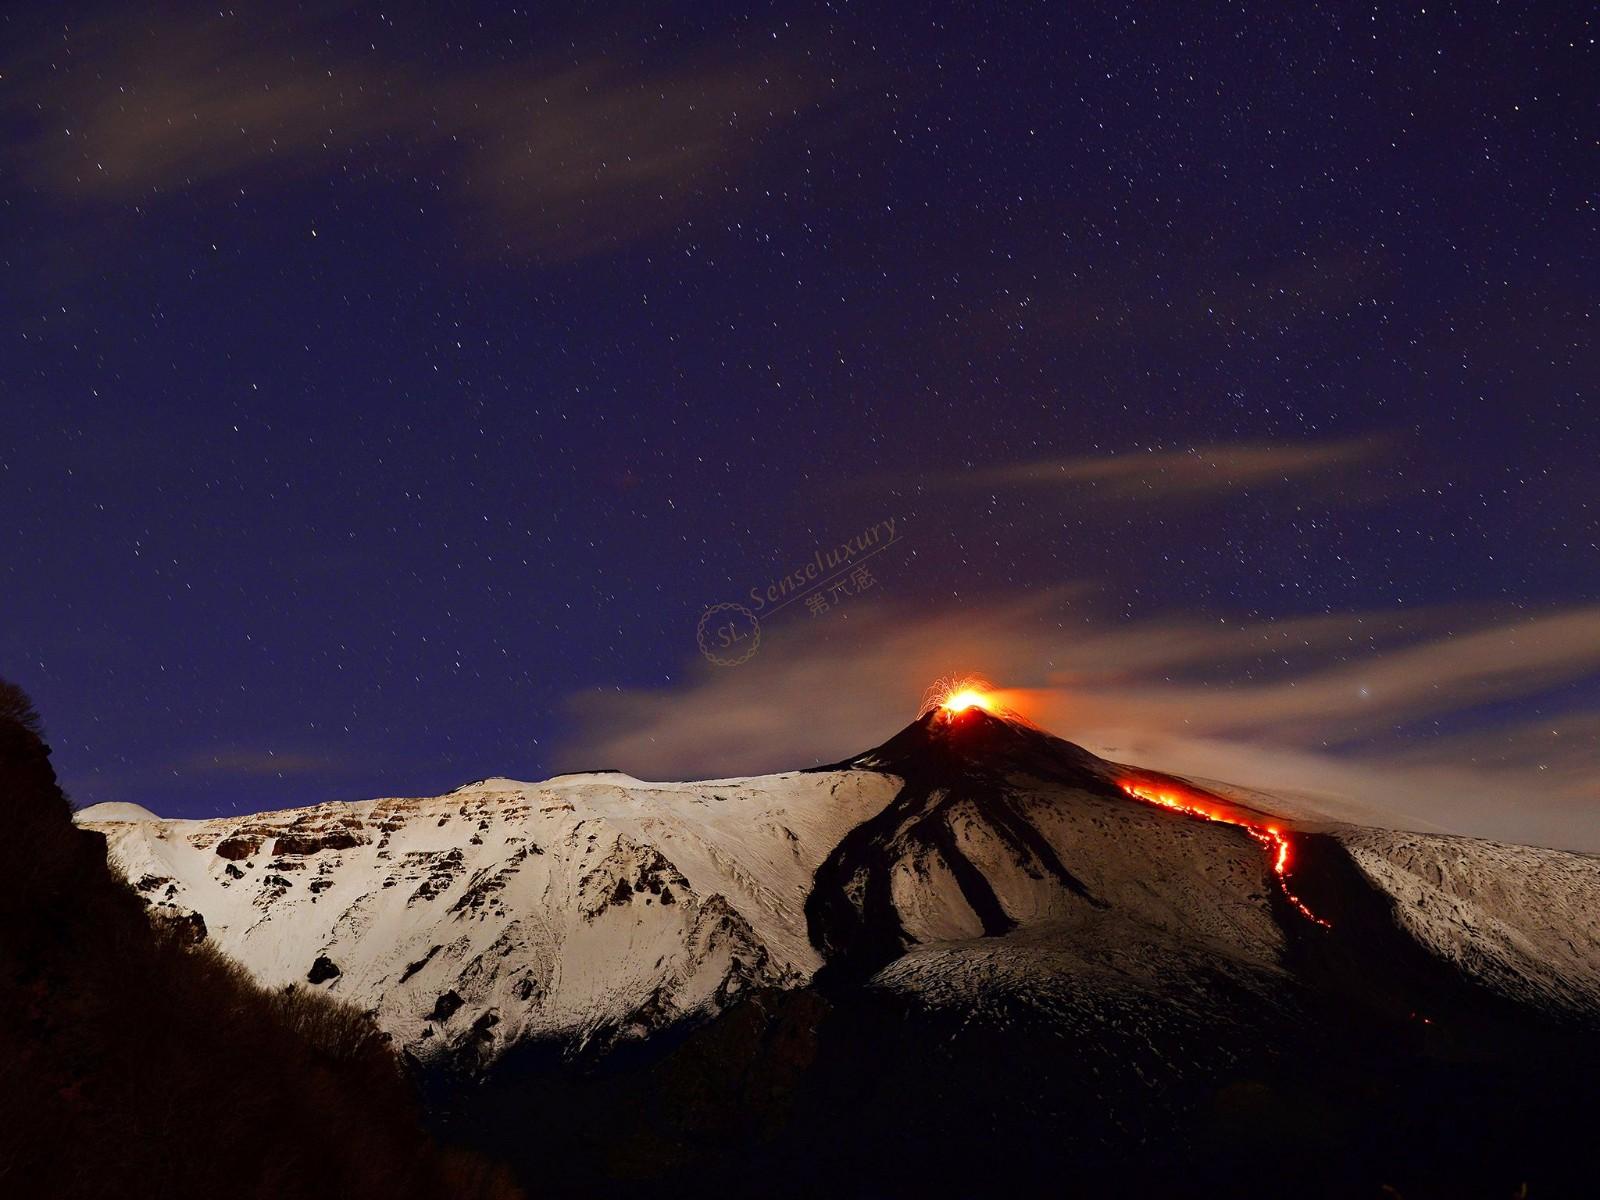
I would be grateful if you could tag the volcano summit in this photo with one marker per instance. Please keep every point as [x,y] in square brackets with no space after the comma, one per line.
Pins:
[975,935]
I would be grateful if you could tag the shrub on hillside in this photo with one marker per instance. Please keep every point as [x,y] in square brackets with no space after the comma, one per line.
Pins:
[139,1063]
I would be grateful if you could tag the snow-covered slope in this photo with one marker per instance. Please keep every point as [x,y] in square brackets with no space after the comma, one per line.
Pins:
[1524,921]
[98,814]
[964,861]
[590,906]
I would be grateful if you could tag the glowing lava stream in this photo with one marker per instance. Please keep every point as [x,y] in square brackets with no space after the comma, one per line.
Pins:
[1270,836]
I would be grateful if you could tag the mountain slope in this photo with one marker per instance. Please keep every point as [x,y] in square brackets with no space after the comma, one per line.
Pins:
[596,908]
[587,909]
[973,934]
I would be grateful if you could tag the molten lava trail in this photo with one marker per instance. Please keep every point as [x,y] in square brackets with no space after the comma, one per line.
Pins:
[1270,836]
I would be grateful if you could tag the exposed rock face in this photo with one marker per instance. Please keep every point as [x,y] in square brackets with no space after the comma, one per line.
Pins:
[445,1007]
[323,970]
[238,847]
[312,843]
[190,926]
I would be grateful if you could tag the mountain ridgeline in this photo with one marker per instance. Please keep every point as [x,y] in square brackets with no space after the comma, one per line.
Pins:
[974,958]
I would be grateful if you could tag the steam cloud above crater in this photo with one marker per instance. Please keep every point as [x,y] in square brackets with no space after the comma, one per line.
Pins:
[1367,714]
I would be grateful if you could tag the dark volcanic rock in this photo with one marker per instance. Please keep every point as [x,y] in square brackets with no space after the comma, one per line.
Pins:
[190,926]
[445,1007]
[311,842]
[323,970]
[443,868]
[413,968]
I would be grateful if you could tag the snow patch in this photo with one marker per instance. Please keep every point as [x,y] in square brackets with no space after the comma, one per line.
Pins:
[113,810]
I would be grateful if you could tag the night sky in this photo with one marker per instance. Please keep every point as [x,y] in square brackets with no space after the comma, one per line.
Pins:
[389,391]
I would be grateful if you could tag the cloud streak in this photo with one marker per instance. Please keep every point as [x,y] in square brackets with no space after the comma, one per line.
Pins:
[557,159]
[1339,708]
[1150,474]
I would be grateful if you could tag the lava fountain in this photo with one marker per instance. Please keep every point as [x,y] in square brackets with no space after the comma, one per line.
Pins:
[952,695]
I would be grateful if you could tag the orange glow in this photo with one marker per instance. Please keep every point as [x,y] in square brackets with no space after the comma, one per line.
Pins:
[958,694]
[951,695]
[1194,804]
[963,700]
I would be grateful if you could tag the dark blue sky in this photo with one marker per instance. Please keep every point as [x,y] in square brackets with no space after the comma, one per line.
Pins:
[382,382]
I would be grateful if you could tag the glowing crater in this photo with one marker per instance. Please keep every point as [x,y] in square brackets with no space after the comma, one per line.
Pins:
[958,694]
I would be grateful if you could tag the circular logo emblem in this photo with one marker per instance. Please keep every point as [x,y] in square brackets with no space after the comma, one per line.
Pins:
[728,634]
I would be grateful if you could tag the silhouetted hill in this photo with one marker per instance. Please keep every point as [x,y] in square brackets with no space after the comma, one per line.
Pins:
[141,1061]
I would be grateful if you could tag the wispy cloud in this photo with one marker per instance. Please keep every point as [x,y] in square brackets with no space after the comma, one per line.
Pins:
[557,158]
[1311,706]
[1374,689]
[1152,474]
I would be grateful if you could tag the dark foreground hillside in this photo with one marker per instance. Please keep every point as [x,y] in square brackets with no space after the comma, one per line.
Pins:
[1099,1056]
[138,1061]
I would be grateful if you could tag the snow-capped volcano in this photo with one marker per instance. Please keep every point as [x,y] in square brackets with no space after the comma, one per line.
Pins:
[968,857]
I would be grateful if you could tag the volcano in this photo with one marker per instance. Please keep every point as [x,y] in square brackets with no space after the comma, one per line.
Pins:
[973,956]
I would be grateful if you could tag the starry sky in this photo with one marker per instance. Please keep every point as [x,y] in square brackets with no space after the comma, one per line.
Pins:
[390,390]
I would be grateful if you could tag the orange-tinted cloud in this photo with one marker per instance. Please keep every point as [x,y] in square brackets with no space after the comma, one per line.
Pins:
[1169,474]
[1258,703]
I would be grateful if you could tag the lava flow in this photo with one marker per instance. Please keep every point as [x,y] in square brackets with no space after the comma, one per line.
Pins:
[1270,836]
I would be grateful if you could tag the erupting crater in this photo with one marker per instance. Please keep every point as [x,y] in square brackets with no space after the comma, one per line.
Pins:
[950,696]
